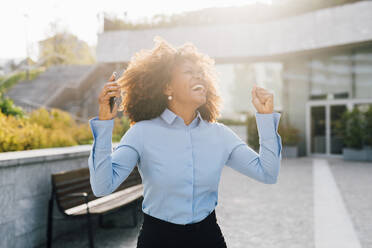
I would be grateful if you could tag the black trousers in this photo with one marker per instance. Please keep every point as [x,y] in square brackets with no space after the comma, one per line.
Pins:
[157,233]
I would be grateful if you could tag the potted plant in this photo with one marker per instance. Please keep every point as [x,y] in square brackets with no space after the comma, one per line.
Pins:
[252,132]
[290,139]
[351,129]
[289,135]
[368,132]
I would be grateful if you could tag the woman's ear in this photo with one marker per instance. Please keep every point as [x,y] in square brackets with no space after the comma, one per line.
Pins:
[167,90]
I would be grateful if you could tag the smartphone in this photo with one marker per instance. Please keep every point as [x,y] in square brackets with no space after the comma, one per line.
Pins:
[112,99]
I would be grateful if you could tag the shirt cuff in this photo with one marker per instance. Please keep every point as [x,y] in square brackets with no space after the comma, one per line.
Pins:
[267,125]
[102,132]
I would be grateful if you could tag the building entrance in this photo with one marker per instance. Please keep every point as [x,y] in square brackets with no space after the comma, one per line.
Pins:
[321,122]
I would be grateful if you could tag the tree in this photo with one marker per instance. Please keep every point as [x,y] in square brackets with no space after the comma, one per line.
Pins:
[62,47]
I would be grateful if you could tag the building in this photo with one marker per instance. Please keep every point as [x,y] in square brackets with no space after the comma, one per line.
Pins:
[318,64]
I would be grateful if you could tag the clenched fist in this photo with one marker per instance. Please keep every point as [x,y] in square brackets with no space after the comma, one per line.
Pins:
[262,100]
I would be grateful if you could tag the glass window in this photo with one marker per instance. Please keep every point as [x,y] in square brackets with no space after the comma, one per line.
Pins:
[236,82]
[318,129]
[363,73]
[331,77]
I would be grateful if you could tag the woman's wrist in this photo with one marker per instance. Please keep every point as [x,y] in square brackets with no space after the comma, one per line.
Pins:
[265,112]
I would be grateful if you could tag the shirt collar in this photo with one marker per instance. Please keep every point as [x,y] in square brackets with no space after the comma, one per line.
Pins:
[169,116]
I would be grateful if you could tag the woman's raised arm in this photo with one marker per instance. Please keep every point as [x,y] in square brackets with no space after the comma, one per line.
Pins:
[265,165]
[108,169]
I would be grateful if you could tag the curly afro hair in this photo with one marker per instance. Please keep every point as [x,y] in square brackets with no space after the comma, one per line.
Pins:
[148,73]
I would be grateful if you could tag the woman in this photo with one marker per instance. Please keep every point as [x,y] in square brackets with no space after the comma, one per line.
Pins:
[172,101]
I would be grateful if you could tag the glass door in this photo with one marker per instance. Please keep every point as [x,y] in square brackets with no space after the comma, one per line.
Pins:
[322,118]
[336,141]
[322,132]
[318,129]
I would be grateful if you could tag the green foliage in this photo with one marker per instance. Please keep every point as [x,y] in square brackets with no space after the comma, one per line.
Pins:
[252,133]
[8,108]
[65,48]
[351,128]
[41,129]
[121,125]
[289,134]
[7,82]
[368,126]
[250,13]
[53,119]
[53,128]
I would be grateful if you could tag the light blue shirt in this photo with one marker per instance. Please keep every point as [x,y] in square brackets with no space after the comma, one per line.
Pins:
[180,165]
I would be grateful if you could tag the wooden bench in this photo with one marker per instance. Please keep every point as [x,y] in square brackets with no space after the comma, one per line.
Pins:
[75,199]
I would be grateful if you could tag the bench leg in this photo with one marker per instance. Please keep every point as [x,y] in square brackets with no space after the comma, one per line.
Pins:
[100,221]
[50,224]
[90,232]
[134,215]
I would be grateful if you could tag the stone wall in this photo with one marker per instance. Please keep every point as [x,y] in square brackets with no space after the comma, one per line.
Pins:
[25,188]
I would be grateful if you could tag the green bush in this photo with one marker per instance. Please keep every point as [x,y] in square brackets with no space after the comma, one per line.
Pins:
[368,126]
[252,132]
[121,125]
[289,134]
[7,82]
[351,128]
[43,129]
[7,107]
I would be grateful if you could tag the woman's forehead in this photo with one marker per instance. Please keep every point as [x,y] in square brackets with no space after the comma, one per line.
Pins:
[187,63]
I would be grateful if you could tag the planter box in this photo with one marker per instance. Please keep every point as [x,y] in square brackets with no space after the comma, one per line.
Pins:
[369,152]
[290,152]
[355,154]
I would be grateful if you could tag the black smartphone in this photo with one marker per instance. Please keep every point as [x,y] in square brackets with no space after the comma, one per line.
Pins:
[112,99]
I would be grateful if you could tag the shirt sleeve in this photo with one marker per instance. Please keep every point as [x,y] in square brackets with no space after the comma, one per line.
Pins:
[109,168]
[265,165]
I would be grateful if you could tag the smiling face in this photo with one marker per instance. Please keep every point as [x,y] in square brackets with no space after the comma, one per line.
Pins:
[187,86]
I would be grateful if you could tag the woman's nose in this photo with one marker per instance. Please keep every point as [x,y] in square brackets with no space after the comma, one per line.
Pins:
[198,75]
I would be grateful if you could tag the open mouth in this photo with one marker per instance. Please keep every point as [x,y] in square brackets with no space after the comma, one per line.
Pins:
[198,87]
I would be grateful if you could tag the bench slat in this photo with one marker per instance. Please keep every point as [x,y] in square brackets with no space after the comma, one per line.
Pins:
[84,186]
[69,184]
[65,176]
[109,202]
[78,181]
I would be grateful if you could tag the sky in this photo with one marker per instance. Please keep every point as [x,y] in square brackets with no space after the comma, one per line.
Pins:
[23,22]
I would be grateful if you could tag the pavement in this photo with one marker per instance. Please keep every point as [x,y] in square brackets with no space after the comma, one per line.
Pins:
[311,195]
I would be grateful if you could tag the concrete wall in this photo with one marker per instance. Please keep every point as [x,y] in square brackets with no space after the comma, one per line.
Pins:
[337,26]
[25,188]
[296,88]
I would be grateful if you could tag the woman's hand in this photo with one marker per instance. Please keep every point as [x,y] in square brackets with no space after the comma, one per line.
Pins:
[262,100]
[111,89]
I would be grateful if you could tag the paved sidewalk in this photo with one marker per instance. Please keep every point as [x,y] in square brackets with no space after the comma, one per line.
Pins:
[253,214]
